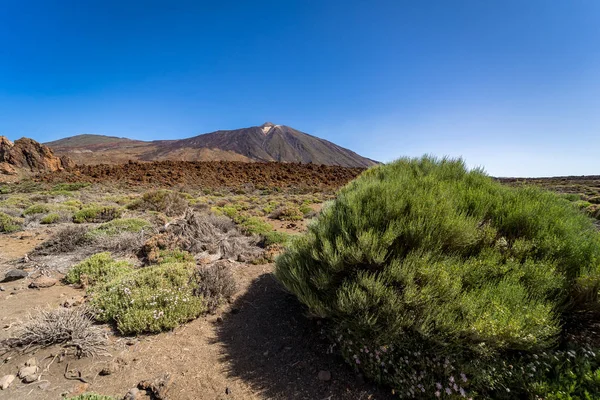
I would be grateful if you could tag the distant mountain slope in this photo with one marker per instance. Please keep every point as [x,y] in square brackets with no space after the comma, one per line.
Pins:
[88,140]
[268,142]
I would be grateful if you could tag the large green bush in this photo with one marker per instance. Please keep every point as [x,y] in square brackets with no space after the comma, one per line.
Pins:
[427,270]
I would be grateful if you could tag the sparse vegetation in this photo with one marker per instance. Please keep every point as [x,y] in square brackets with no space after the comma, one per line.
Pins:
[69,327]
[65,240]
[91,396]
[70,187]
[288,212]
[167,202]
[215,284]
[117,226]
[435,278]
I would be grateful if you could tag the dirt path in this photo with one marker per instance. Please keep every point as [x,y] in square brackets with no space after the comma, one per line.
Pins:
[259,347]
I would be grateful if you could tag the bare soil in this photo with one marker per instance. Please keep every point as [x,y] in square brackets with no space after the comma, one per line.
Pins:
[261,346]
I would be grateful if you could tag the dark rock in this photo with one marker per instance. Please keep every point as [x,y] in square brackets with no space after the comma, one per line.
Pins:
[14,274]
[30,378]
[324,376]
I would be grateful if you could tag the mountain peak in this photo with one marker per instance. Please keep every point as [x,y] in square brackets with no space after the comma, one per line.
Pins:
[267,142]
[267,126]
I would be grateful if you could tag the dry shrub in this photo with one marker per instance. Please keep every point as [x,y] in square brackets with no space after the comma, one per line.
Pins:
[216,284]
[122,242]
[216,237]
[69,327]
[165,201]
[65,240]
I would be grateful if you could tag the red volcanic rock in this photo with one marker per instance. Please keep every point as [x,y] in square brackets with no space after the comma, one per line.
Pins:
[28,155]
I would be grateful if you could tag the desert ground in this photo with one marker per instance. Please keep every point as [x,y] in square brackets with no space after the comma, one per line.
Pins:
[259,343]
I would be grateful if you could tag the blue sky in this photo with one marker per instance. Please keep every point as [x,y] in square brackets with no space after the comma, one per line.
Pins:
[513,86]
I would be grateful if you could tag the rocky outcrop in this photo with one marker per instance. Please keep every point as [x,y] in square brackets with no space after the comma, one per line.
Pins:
[27,155]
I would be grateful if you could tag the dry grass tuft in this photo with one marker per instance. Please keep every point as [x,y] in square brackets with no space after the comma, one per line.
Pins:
[69,327]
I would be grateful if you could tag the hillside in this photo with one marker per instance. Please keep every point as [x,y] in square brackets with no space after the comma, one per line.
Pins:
[268,142]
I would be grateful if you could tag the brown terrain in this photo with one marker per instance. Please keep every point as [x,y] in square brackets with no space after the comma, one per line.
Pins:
[268,142]
[209,174]
[260,345]
[26,156]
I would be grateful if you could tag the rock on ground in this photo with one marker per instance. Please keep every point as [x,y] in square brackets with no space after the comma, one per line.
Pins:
[5,381]
[14,274]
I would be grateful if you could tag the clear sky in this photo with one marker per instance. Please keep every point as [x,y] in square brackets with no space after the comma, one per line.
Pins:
[513,86]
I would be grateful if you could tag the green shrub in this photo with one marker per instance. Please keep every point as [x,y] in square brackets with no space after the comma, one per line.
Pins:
[170,203]
[96,269]
[37,209]
[275,237]
[150,299]
[594,199]
[254,226]
[175,256]
[289,212]
[9,224]
[16,201]
[117,226]
[72,203]
[95,213]
[91,396]
[571,196]
[70,187]
[305,209]
[51,218]
[421,265]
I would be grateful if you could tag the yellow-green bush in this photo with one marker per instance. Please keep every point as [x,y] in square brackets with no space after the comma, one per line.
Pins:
[150,299]
[51,218]
[424,267]
[96,269]
[95,213]
[9,224]
[117,226]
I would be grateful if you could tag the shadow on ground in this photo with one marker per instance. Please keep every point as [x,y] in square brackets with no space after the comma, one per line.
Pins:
[271,345]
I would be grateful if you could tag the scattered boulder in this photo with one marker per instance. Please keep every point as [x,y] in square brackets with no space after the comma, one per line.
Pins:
[31,362]
[27,371]
[43,282]
[14,274]
[6,381]
[132,394]
[324,376]
[73,301]
[158,388]
[30,378]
